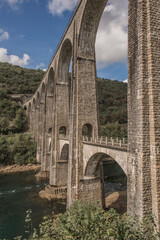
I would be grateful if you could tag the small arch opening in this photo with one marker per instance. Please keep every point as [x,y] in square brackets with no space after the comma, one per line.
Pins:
[65,152]
[25,108]
[87,130]
[50,130]
[62,131]
[49,149]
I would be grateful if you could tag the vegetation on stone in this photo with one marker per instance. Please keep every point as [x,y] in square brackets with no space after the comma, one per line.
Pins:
[90,222]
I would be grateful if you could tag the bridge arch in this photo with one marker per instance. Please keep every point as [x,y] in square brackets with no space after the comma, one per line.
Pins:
[34,104]
[89,25]
[65,152]
[92,163]
[37,99]
[64,62]
[50,83]
[42,93]
[29,108]
[63,131]
[112,179]
[87,130]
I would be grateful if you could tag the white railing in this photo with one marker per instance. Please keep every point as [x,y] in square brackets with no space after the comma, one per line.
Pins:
[117,142]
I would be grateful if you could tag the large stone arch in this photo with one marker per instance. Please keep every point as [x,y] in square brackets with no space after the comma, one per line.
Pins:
[64,61]
[42,93]
[51,83]
[34,104]
[37,99]
[89,24]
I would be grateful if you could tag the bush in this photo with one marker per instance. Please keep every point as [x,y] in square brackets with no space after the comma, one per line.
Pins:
[17,149]
[13,118]
[90,222]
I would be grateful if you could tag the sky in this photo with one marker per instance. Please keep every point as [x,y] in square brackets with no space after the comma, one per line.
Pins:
[30,31]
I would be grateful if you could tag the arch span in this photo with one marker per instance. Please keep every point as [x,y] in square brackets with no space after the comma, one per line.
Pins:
[65,152]
[64,62]
[92,154]
[50,83]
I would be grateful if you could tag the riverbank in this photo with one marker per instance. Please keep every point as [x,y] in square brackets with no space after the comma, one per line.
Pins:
[19,169]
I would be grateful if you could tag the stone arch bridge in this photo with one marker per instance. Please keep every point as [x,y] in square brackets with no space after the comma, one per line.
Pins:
[63,105]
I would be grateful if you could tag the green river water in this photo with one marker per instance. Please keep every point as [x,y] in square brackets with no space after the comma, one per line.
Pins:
[18,193]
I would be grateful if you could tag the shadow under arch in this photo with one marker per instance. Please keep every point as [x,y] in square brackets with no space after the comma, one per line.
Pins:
[33,104]
[38,99]
[64,62]
[113,180]
[42,93]
[50,83]
[87,130]
[29,107]
[65,152]
[63,131]
[89,24]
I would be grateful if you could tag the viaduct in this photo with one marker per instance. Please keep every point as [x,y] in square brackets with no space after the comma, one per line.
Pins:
[62,106]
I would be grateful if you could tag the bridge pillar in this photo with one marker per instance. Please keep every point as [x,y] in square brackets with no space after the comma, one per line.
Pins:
[83,111]
[144,108]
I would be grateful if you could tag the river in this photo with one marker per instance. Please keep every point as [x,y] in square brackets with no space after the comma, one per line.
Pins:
[18,193]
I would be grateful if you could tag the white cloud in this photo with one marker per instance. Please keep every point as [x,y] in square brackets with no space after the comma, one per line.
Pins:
[59,6]
[3,35]
[13,59]
[111,41]
[41,66]
[125,81]
[14,3]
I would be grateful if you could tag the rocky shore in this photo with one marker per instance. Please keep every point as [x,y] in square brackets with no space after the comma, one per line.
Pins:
[18,169]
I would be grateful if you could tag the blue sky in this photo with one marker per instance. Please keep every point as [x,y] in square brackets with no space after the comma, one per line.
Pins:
[30,31]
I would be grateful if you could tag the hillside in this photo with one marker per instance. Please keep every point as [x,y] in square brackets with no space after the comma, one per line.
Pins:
[112,96]
[18,80]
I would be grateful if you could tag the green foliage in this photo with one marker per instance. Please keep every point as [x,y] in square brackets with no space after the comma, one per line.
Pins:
[17,149]
[18,80]
[20,122]
[112,96]
[89,222]
[114,130]
[12,118]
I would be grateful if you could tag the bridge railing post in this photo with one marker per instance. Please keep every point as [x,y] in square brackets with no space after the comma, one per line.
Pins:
[112,142]
[83,138]
[120,143]
[123,140]
[106,141]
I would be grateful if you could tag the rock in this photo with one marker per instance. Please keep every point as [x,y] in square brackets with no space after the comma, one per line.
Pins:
[117,200]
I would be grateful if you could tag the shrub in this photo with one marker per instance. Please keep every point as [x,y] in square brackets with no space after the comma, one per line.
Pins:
[90,222]
[17,149]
